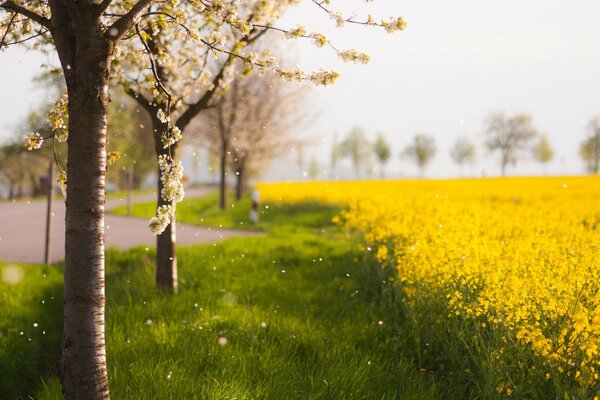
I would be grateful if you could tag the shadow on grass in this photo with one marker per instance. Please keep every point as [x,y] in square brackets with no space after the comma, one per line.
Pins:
[298,317]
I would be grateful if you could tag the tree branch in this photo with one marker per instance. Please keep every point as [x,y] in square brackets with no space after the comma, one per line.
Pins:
[127,21]
[203,102]
[45,22]
[103,6]
[8,29]
[141,101]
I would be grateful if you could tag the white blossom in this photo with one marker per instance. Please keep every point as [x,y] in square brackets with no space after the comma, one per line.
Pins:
[354,56]
[33,141]
[162,116]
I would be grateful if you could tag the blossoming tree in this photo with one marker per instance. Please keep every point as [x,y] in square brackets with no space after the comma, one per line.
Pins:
[86,34]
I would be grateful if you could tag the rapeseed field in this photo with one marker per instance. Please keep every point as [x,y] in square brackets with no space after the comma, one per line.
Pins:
[500,277]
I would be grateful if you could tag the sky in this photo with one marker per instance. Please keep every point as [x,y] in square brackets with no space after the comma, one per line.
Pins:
[455,64]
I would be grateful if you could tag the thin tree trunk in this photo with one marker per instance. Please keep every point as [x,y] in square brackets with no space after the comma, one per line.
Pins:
[83,363]
[222,182]
[166,257]
[239,187]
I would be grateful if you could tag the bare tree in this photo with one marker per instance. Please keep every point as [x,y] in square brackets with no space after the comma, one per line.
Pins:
[509,135]
[356,147]
[251,123]
[542,152]
[382,152]
[463,151]
[421,150]
[590,147]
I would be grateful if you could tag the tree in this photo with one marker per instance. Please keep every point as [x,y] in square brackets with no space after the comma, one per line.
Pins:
[463,151]
[421,150]
[382,152]
[510,136]
[590,147]
[335,154]
[250,124]
[313,169]
[20,169]
[86,35]
[129,134]
[356,147]
[542,151]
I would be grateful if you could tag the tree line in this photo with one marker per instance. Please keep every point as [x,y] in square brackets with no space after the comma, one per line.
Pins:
[513,138]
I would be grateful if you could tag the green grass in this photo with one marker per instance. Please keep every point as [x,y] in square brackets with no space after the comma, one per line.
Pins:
[122,194]
[30,326]
[205,211]
[300,309]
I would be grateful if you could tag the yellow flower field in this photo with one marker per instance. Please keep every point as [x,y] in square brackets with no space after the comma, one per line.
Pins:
[518,256]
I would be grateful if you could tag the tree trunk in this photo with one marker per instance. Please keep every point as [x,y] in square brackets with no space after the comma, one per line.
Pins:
[222,182]
[166,258]
[239,187]
[83,362]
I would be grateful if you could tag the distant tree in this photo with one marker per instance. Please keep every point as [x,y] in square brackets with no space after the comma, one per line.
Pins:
[335,154]
[463,151]
[356,147]
[421,150]
[130,134]
[20,170]
[509,135]
[382,152]
[542,151]
[590,147]
[249,124]
[313,169]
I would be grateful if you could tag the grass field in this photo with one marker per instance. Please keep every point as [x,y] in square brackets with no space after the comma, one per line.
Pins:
[294,316]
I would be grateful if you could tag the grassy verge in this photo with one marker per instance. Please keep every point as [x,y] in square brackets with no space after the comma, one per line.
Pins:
[205,211]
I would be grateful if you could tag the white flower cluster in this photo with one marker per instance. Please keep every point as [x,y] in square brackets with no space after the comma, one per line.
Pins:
[62,183]
[321,77]
[394,25]
[338,18]
[58,118]
[170,137]
[163,218]
[171,175]
[33,141]
[319,39]
[354,56]
[298,31]
[162,116]
[216,37]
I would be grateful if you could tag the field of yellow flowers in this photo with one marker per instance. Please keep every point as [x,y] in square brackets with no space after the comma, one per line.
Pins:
[500,277]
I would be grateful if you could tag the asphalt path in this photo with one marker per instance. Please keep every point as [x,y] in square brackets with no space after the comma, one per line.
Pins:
[23,227]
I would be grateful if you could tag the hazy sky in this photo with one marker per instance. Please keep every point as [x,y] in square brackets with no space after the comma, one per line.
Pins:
[457,62]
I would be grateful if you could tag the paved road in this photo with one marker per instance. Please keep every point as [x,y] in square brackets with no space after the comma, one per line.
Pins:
[22,229]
